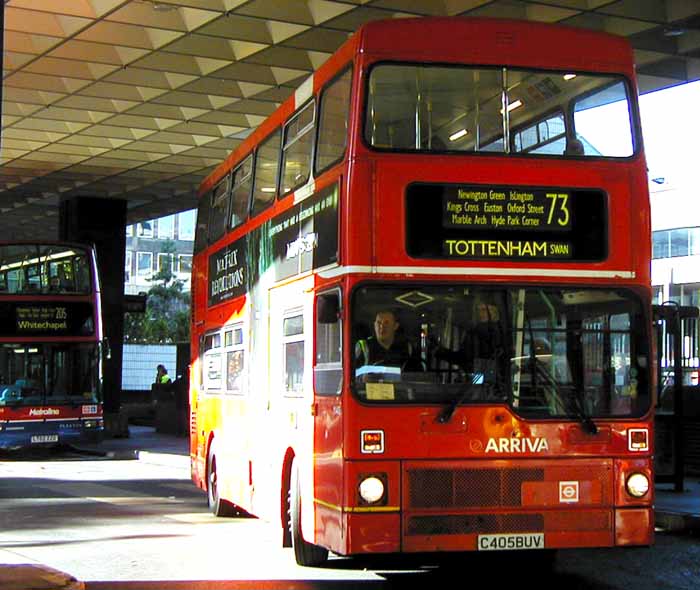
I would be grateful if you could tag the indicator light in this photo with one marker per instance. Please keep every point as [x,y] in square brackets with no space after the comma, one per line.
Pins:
[638,439]
[372,441]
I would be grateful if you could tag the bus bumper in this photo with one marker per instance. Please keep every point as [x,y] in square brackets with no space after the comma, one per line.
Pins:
[14,437]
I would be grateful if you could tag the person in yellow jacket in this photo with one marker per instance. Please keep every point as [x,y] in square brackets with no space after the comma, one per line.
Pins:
[386,347]
[162,377]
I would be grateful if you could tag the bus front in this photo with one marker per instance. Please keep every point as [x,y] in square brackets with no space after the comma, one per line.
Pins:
[507,248]
[50,349]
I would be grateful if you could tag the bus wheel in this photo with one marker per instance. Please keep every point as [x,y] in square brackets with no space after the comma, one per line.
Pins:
[305,553]
[217,505]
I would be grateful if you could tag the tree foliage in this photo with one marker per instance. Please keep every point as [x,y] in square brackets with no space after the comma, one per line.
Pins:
[167,316]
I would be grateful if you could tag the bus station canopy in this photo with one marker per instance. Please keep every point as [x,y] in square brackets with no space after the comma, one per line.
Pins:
[141,99]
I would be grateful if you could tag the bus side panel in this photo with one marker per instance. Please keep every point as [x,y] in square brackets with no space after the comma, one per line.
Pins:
[328,471]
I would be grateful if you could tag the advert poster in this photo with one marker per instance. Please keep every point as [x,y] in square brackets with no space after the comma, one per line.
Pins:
[301,239]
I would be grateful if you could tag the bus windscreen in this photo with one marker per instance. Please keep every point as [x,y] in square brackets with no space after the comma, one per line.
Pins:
[547,352]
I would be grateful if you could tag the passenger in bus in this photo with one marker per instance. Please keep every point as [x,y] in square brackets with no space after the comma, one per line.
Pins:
[387,347]
[483,344]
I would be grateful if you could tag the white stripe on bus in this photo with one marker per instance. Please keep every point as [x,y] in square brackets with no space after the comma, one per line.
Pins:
[304,92]
[482,271]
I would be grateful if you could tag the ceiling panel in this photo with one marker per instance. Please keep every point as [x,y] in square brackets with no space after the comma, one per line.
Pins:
[140,99]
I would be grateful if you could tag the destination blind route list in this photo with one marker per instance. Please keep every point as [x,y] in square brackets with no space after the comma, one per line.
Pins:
[506,209]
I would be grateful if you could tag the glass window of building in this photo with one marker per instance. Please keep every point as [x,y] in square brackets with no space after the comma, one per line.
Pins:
[127,266]
[679,242]
[659,244]
[694,241]
[165,262]
[185,263]
[185,224]
[144,263]
[166,227]
[145,229]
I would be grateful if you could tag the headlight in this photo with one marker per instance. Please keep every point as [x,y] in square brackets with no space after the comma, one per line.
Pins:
[637,485]
[371,489]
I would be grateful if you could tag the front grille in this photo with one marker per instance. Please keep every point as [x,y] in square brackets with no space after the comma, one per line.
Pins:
[468,488]
[474,523]
[484,524]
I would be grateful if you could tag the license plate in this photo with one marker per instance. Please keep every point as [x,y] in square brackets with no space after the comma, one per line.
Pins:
[44,438]
[510,542]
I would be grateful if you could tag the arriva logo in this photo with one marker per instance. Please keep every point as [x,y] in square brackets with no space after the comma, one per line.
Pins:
[44,412]
[516,445]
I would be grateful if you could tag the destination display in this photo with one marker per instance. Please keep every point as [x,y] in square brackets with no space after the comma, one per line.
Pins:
[46,319]
[497,222]
[506,208]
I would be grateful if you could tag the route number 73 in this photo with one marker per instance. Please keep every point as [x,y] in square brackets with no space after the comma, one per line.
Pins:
[558,208]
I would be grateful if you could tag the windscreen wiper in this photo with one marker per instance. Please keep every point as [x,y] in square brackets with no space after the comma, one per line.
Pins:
[570,403]
[448,411]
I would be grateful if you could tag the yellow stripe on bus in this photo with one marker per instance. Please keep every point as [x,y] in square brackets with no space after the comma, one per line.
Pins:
[356,508]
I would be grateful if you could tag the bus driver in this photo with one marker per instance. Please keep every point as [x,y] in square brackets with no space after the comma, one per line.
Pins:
[386,347]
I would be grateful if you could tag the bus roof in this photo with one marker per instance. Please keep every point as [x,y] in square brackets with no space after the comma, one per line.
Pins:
[496,41]
[436,39]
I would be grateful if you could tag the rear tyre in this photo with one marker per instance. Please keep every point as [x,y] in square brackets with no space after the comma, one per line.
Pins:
[217,505]
[305,553]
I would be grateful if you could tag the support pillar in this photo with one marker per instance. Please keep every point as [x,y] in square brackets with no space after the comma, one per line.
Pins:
[102,222]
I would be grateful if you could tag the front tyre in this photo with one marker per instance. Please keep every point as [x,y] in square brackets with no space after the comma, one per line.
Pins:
[217,505]
[305,553]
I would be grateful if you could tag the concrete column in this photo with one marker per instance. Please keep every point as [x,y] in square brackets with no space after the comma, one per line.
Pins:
[102,222]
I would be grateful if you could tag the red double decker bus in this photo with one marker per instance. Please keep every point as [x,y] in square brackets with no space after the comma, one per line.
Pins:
[421,292]
[50,345]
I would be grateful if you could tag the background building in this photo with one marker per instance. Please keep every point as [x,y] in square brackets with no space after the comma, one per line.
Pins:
[145,245]
[675,267]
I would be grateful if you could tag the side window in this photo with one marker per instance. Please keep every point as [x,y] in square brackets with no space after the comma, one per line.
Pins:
[328,370]
[240,194]
[293,354]
[219,210]
[298,137]
[333,121]
[266,169]
[235,361]
[212,363]
[202,227]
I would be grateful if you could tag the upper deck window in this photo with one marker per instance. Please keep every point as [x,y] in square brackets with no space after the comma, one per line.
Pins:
[219,210]
[333,121]
[266,170]
[510,111]
[43,268]
[298,137]
[240,194]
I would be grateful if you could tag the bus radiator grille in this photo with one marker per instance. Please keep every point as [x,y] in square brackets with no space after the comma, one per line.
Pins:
[550,521]
[461,524]
[468,488]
